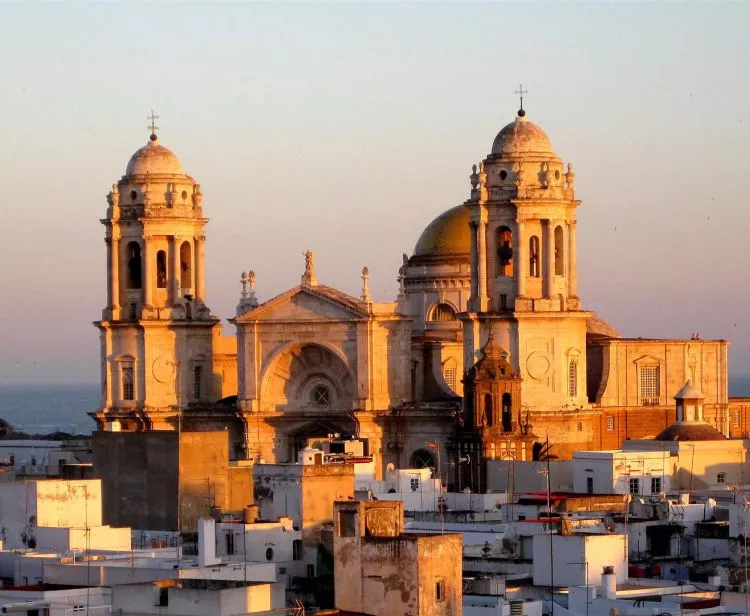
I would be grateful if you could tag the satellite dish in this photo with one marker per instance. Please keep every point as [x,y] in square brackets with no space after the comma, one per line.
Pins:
[391,467]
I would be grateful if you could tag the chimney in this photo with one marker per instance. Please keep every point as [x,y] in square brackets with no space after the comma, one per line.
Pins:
[609,583]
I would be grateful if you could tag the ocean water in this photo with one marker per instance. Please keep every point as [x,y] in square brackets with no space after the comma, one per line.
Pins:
[41,409]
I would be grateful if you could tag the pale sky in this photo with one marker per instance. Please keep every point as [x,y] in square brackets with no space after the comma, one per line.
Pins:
[346,128]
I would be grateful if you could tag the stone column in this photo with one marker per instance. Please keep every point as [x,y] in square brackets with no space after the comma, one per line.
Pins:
[572,265]
[474,262]
[521,258]
[148,271]
[200,275]
[482,265]
[549,248]
[174,249]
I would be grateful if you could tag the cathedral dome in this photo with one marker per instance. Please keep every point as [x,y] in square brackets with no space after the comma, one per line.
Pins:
[522,137]
[447,235]
[154,159]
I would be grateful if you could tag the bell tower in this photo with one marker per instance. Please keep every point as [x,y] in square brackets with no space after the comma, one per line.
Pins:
[156,331]
[522,217]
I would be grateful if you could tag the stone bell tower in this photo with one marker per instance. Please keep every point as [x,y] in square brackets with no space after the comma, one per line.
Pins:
[156,331]
[522,216]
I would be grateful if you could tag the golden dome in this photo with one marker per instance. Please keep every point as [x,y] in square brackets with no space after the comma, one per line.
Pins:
[522,137]
[447,235]
[154,159]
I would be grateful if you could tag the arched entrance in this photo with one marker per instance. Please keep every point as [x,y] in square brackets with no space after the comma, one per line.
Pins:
[422,458]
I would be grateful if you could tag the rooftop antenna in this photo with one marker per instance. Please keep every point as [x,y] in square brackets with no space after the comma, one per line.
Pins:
[521,92]
[152,127]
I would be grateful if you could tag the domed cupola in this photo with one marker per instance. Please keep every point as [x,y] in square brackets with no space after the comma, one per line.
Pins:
[153,159]
[522,137]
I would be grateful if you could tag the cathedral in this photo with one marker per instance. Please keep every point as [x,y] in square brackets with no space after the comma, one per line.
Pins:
[487,352]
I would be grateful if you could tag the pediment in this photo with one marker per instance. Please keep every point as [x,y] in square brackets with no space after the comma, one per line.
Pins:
[647,360]
[307,304]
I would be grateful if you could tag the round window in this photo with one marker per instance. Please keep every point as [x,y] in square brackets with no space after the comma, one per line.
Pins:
[269,554]
[133,195]
[557,174]
[503,174]
[184,195]
[321,396]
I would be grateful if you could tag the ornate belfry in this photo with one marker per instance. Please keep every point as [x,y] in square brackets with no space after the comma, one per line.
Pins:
[493,425]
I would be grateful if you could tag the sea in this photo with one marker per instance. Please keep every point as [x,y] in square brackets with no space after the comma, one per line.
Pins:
[43,409]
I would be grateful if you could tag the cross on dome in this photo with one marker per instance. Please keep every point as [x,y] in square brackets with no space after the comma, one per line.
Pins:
[152,126]
[520,93]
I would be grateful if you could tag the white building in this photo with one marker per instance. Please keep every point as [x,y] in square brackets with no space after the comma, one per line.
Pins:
[622,472]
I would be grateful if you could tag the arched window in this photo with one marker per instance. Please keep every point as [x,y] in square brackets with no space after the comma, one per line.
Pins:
[161,269]
[488,410]
[133,255]
[507,413]
[443,312]
[186,270]
[573,377]
[559,252]
[504,251]
[422,458]
[534,271]
[128,383]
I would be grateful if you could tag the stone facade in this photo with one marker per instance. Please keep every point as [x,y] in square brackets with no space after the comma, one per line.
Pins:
[315,362]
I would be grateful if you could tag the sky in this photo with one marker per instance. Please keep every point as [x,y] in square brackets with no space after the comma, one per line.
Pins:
[346,128]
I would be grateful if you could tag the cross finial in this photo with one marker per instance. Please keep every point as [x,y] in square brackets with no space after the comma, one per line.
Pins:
[153,127]
[520,93]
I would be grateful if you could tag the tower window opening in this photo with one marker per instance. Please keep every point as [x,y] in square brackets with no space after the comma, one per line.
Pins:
[507,404]
[186,269]
[488,410]
[534,256]
[559,252]
[197,373]
[134,277]
[505,251]
[573,377]
[128,389]
[449,374]
[161,269]
[443,312]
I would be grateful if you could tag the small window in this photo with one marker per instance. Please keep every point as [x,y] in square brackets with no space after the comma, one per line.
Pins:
[589,485]
[33,460]
[579,426]
[488,412]
[559,252]
[503,301]
[649,385]
[297,549]
[347,524]
[269,553]
[161,269]
[133,258]
[449,374]
[443,312]
[634,486]
[164,597]
[736,419]
[128,389]
[721,478]
[321,396]
[133,311]
[534,271]
[414,484]
[505,251]
[440,590]
[230,542]
[573,377]
[197,373]
[610,423]
[311,571]
[186,271]
[655,485]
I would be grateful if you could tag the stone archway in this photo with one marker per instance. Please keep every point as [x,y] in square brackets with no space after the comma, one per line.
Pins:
[422,458]
[308,378]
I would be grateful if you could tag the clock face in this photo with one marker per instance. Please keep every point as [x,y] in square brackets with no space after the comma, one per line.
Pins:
[163,369]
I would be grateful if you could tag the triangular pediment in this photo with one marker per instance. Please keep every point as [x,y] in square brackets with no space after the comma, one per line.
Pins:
[307,304]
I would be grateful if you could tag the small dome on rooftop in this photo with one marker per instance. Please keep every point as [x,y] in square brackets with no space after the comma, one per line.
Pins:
[447,235]
[522,137]
[154,159]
